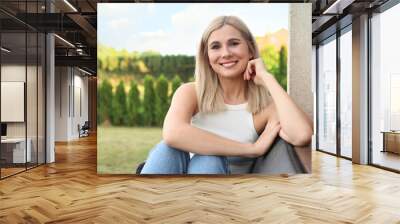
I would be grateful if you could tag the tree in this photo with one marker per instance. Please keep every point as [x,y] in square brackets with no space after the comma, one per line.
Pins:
[113,62]
[133,110]
[119,105]
[142,66]
[276,63]
[149,107]
[270,57]
[105,101]
[176,82]
[125,64]
[283,67]
[162,100]
[138,64]
[100,108]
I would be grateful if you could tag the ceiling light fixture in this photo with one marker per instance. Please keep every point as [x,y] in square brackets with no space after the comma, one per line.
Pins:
[86,72]
[64,40]
[70,5]
[5,49]
[79,51]
[337,7]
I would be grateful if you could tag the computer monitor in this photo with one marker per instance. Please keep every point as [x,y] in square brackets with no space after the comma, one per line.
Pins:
[3,129]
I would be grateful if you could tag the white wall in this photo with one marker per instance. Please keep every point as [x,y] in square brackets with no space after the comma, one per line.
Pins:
[61,103]
[80,100]
[13,73]
[71,87]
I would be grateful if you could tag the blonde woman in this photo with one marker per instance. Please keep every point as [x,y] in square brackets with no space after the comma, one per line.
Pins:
[231,114]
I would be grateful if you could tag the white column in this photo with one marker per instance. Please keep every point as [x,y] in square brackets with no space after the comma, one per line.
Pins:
[299,57]
[360,90]
[50,100]
[50,93]
[314,93]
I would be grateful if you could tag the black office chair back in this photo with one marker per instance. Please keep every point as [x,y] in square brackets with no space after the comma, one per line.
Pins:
[86,125]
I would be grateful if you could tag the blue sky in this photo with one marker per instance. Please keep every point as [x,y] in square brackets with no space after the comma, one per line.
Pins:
[176,28]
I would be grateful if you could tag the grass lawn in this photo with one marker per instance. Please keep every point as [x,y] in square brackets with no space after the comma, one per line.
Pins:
[121,149]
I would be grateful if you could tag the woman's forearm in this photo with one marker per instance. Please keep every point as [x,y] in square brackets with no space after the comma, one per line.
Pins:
[294,122]
[192,139]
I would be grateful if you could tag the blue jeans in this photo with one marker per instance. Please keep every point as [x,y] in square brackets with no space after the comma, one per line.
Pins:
[164,159]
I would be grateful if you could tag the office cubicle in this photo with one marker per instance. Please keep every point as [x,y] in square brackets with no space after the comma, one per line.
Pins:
[22,78]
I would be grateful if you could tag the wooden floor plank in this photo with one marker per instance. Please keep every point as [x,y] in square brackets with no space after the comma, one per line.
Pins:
[70,191]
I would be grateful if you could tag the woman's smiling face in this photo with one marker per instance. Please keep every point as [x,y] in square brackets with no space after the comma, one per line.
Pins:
[228,52]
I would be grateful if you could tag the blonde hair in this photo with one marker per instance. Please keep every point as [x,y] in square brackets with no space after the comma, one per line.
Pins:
[209,92]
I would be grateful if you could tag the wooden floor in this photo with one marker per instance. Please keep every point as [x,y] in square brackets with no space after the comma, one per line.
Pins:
[70,191]
[387,159]
[10,171]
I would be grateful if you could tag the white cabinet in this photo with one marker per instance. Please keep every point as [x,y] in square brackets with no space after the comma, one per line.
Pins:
[18,149]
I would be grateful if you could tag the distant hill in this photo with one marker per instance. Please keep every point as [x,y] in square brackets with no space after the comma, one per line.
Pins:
[276,39]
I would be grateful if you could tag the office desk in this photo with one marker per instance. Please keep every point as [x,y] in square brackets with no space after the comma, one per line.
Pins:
[391,141]
[15,148]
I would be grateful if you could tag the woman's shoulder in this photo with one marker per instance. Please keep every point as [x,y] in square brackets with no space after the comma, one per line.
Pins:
[187,89]
[186,94]
[189,86]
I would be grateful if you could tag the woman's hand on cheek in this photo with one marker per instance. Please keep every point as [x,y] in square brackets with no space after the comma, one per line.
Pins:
[256,71]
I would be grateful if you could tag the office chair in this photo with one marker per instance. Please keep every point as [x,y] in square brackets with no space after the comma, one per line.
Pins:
[84,130]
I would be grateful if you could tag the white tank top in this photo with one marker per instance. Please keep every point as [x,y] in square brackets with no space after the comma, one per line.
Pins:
[235,123]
